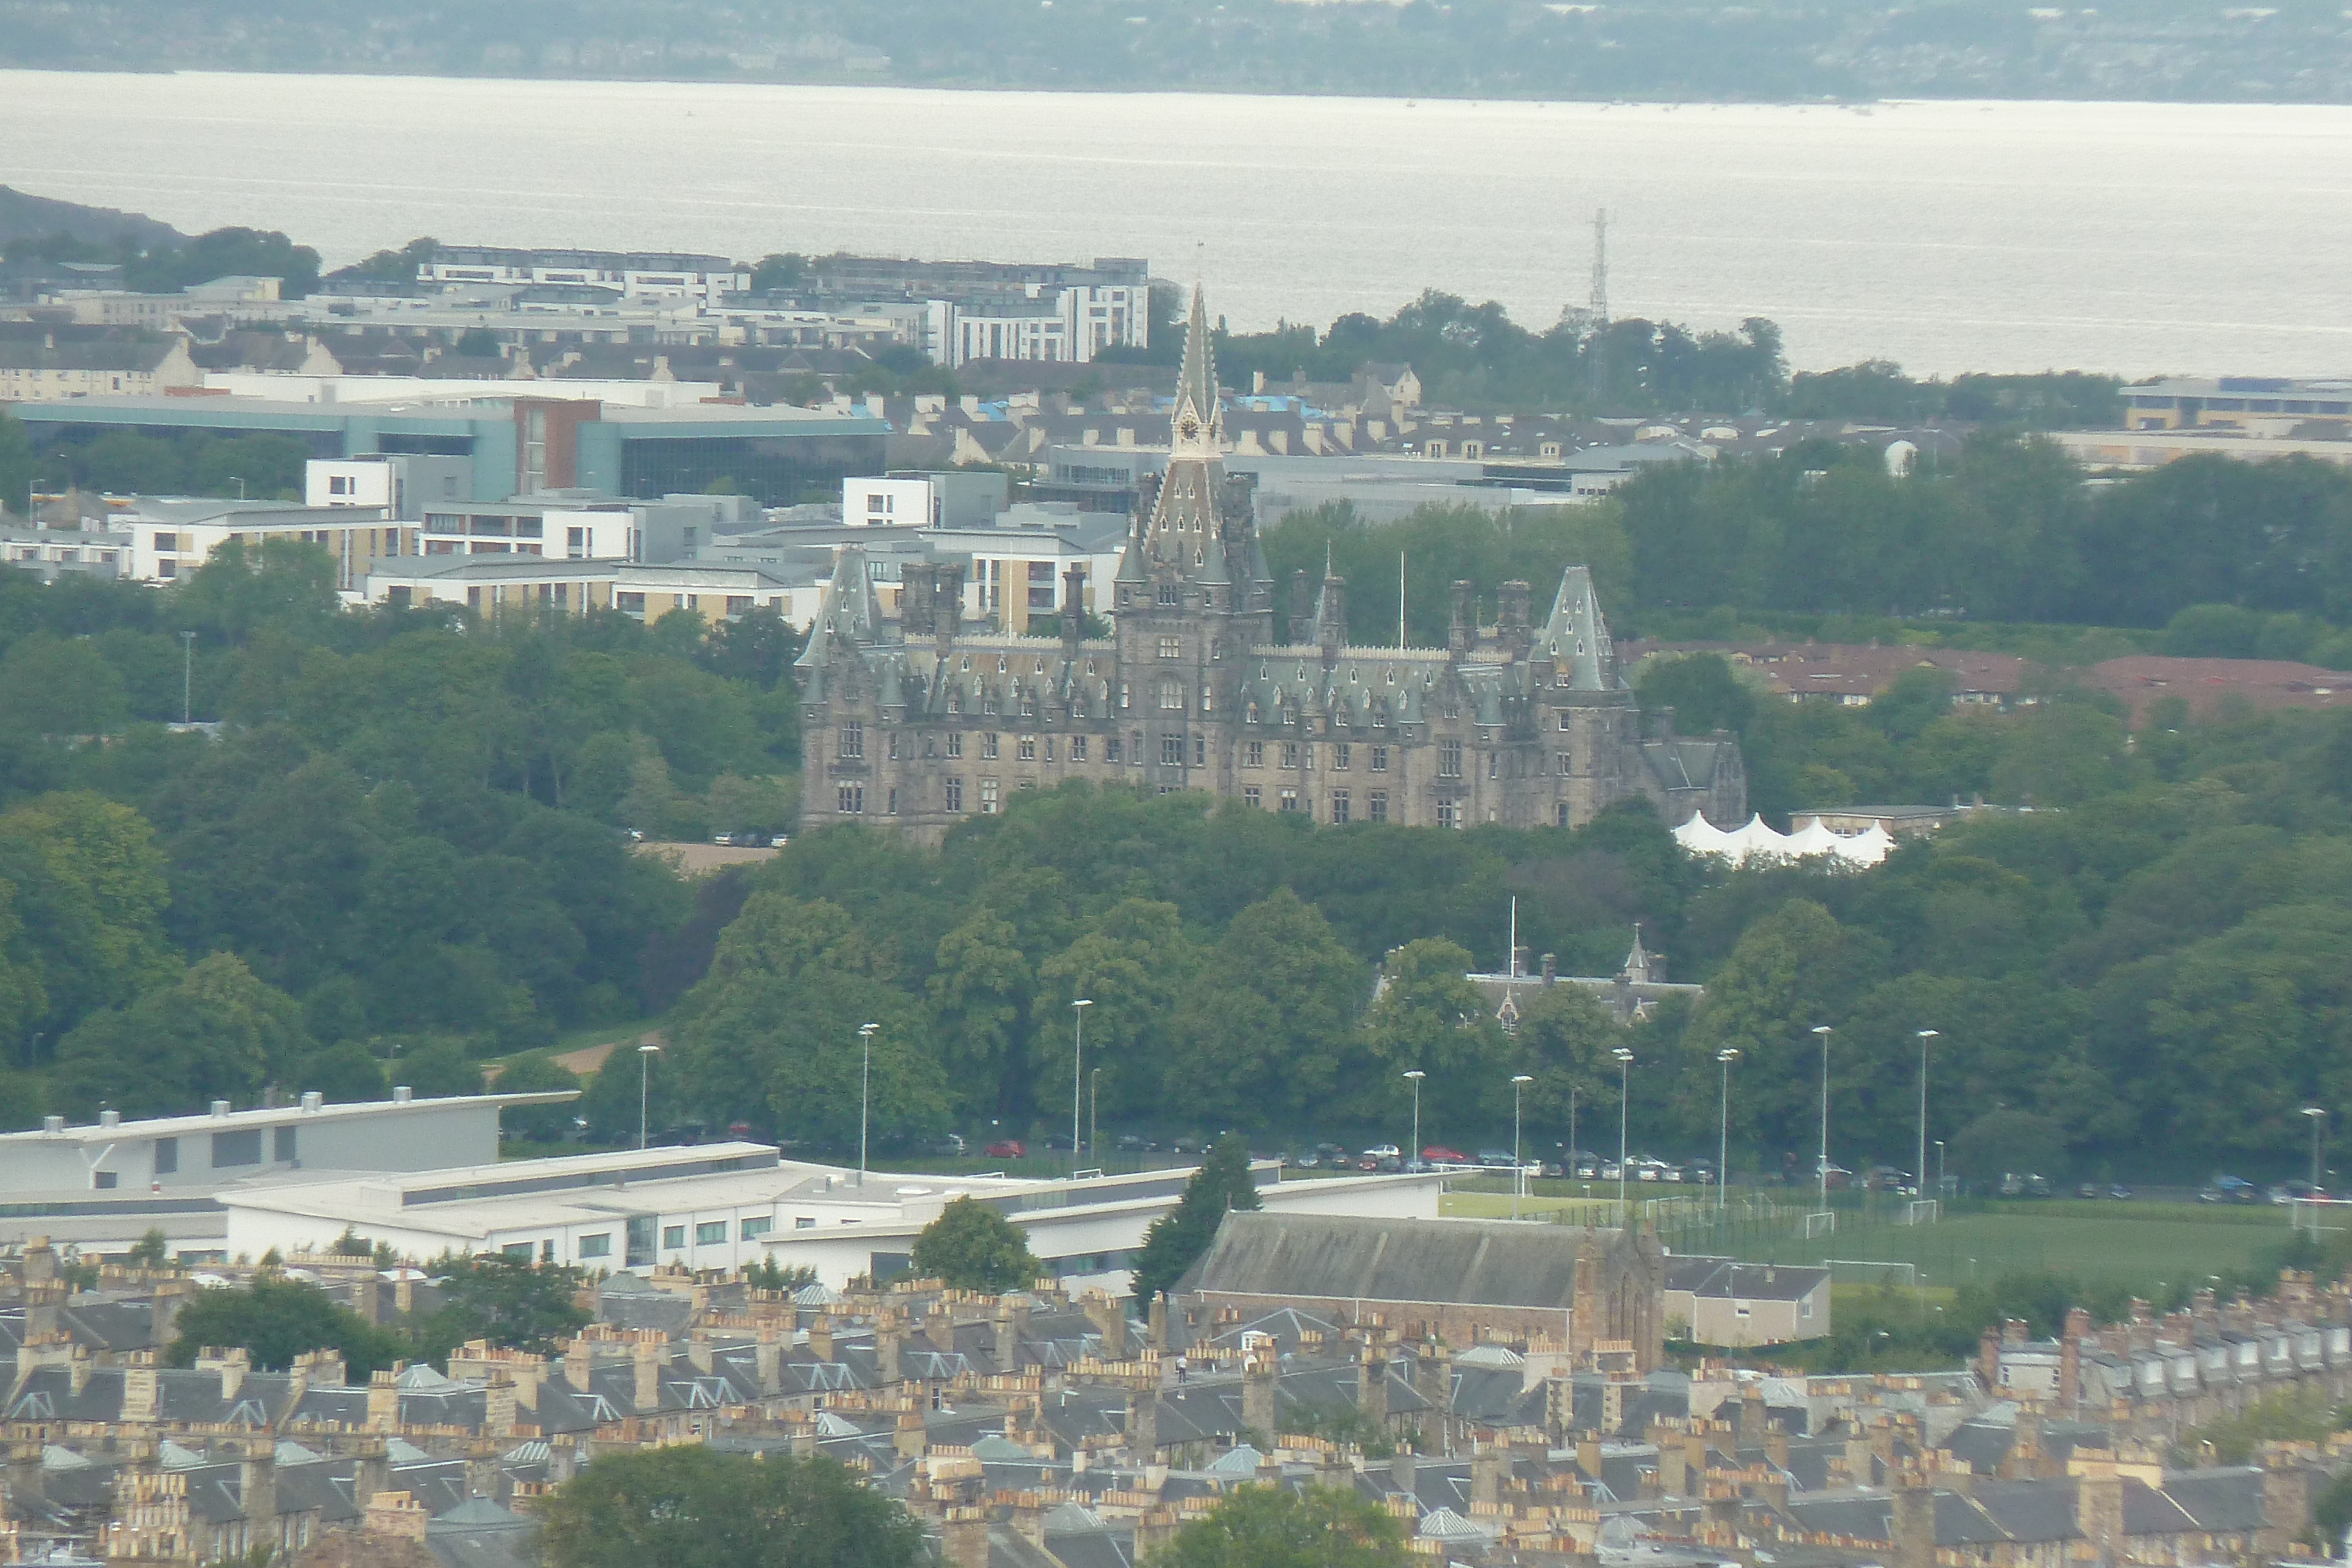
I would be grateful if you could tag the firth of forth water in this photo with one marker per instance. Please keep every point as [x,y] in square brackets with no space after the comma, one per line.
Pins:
[2136,238]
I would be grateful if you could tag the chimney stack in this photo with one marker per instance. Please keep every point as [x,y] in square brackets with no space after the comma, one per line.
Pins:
[947,610]
[1518,635]
[1463,627]
[1257,1392]
[1074,609]
[919,588]
[1143,1427]
[1372,1386]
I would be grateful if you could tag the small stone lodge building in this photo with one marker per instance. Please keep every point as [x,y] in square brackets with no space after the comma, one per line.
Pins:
[918,721]
[1596,1290]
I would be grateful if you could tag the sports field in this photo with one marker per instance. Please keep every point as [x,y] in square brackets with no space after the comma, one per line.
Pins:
[2120,1243]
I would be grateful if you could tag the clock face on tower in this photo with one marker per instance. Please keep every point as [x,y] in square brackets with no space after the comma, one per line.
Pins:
[1188,430]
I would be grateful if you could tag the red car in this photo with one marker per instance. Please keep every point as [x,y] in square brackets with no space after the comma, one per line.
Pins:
[1010,1149]
[1439,1155]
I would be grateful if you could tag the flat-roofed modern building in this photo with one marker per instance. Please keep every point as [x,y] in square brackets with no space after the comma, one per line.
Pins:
[2270,405]
[721,1206]
[164,1153]
[102,1184]
[522,444]
[532,584]
[168,536]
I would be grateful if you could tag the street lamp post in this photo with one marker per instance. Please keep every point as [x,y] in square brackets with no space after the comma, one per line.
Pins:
[1570,1171]
[646,1054]
[1939,1167]
[1415,1075]
[1727,1055]
[1093,1111]
[1624,1095]
[1519,1080]
[1077,1077]
[1823,1030]
[864,1095]
[2318,1121]
[1919,1175]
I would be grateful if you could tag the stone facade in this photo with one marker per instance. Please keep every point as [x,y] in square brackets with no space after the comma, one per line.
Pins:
[1206,685]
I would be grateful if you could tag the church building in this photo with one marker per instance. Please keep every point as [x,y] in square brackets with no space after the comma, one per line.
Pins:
[1205,684]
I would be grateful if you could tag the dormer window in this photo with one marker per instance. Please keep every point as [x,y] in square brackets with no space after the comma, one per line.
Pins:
[1168,596]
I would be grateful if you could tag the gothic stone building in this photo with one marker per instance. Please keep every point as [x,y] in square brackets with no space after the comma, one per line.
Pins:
[1204,685]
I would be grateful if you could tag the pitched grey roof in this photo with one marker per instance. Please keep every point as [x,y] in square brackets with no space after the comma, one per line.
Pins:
[1337,1258]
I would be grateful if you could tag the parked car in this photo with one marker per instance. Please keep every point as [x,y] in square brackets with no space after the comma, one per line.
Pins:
[1439,1155]
[1059,1142]
[2119,1191]
[1496,1159]
[1385,1151]
[1008,1149]
[2027,1185]
[1133,1144]
[2288,1191]
[2225,1188]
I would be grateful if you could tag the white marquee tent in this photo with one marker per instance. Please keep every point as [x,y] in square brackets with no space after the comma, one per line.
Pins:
[1756,842]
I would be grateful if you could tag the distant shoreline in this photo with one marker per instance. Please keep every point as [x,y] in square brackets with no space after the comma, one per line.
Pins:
[869,84]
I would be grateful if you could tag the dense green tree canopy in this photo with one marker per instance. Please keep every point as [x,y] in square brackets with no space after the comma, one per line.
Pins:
[972,1247]
[692,1506]
[1274,1527]
[275,1319]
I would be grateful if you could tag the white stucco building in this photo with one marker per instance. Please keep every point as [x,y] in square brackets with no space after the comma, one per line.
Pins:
[721,1206]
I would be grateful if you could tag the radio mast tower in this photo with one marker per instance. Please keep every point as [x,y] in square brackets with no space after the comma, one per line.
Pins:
[1601,267]
[1600,306]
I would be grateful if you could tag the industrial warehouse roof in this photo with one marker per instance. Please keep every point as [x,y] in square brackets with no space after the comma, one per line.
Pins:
[104,1131]
[1335,1257]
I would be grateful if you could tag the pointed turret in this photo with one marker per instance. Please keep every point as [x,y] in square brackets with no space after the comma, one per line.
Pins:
[849,613]
[1576,639]
[1197,421]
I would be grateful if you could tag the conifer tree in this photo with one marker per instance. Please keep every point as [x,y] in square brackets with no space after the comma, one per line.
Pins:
[1176,1240]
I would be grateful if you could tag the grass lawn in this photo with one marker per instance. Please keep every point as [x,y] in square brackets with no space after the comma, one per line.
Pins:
[1980,1246]
[2119,1242]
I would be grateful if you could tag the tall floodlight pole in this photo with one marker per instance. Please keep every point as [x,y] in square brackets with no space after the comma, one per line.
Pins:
[2318,1121]
[1919,1176]
[1822,1031]
[646,1054]
[864,1095]
[1077,1076]
[1416,1075]
[1624,1097]
[1599,301]
[1726,1056]
[1519,1080]
[1572,1130]
[188,677]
